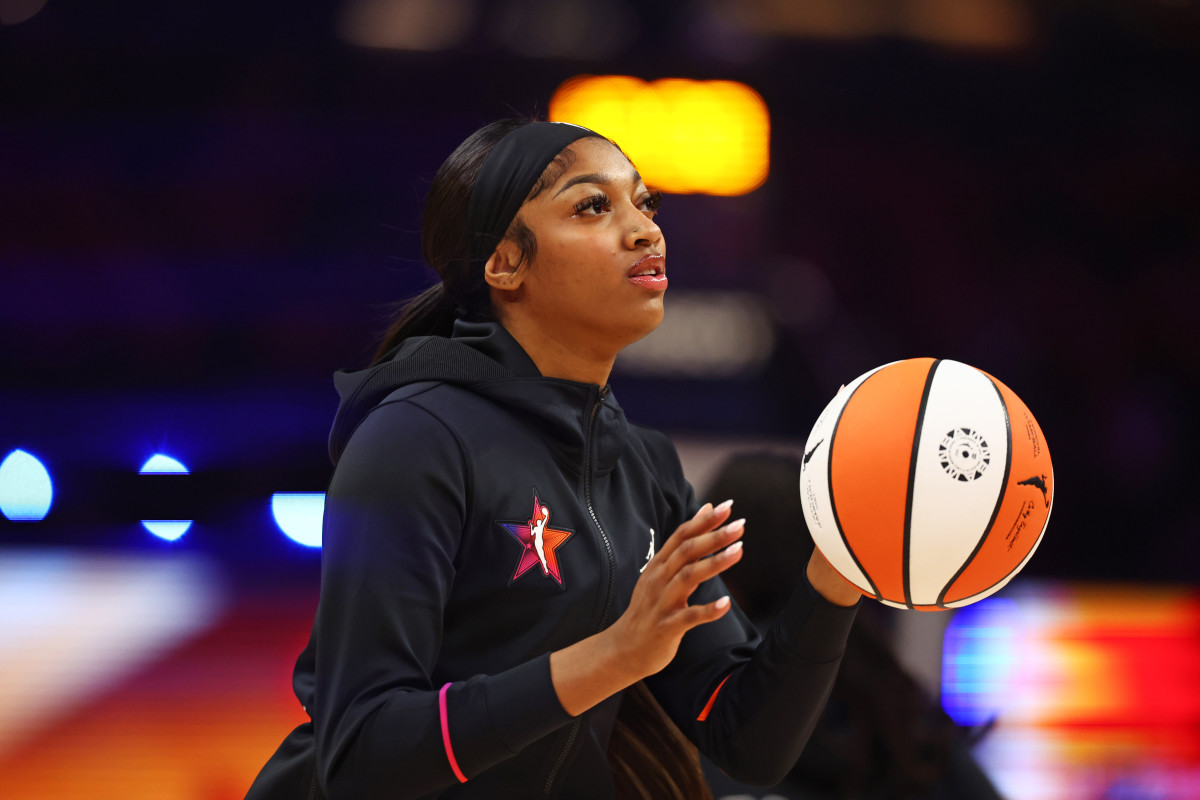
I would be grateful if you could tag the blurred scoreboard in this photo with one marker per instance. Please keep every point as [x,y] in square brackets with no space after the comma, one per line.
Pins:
[1090,691]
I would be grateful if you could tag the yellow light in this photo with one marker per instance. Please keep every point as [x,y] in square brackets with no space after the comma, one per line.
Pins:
[685,136]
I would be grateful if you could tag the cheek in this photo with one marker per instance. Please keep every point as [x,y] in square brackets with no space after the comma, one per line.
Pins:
[577,266]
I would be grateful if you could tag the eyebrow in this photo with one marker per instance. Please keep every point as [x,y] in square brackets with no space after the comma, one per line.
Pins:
[595,177]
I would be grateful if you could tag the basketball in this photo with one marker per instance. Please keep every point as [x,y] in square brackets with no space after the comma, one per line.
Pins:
[927,484]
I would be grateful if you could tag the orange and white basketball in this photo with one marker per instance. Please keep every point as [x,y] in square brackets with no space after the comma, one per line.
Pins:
[927,484]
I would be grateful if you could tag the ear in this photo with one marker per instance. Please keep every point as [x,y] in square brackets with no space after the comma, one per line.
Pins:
[502,269]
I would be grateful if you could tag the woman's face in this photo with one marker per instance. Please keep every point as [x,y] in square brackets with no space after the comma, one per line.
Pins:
[599,273]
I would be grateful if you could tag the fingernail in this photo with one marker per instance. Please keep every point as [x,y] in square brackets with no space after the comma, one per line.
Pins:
[703,508]
[733,548]
[723,603]
[728,504]
[736,525]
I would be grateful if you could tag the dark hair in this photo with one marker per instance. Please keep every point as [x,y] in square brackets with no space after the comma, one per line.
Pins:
[649,757]
[462,290]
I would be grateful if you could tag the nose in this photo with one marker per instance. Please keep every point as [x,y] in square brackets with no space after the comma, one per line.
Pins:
[641,229]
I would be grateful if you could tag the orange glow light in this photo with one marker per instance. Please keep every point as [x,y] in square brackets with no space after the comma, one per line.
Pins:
[685,136]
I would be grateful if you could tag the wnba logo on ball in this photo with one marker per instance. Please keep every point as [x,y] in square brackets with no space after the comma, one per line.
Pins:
[964,454]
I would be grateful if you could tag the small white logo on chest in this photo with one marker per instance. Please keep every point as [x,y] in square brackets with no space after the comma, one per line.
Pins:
[649,555]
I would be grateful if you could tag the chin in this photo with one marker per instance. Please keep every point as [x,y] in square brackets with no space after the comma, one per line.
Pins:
[647,322]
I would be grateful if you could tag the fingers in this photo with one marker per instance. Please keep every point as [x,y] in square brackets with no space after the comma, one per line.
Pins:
[692,616]
[699,550]
[695,572]
[701,546]
[707,518]
[659,613]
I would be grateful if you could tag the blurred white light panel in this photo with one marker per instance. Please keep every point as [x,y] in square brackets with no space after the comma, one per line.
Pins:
[708,335]
[72,625]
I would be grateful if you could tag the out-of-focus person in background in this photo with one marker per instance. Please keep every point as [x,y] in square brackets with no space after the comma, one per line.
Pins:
[881,736]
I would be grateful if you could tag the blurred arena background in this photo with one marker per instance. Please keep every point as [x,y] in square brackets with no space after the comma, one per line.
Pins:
[207,208]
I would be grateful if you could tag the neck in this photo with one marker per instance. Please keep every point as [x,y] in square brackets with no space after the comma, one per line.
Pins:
[557,356]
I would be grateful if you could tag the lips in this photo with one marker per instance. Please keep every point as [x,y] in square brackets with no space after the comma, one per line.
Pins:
[649,272]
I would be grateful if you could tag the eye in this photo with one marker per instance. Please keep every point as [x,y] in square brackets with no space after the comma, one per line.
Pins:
[651,203]
[593,206]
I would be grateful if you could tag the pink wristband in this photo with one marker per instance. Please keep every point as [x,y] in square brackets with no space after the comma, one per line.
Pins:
[446,736]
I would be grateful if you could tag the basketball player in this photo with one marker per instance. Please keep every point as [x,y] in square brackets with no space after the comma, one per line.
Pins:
[441,664]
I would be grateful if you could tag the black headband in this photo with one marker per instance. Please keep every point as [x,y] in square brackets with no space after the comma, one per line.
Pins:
[507,175]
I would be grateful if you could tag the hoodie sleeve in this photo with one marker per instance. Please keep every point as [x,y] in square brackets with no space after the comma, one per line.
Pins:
[750,703]
[394,516]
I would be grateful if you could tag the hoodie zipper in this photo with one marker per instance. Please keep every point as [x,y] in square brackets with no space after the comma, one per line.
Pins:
[612,568]
[587,499]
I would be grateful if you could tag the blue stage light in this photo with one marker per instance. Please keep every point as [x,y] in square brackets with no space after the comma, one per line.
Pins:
[158,464]
[979,653]
[168,529]
[298,515]
[26,490]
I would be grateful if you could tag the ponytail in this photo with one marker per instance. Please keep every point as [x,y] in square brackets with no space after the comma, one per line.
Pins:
[649,757]
[428,314]
[462,291]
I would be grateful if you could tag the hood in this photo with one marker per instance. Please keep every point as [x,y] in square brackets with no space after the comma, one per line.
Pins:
[483,358]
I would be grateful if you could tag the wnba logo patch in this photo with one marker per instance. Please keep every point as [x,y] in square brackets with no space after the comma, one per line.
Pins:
[964,454]
[539,542]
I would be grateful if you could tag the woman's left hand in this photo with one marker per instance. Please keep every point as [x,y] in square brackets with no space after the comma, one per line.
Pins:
[646,636]
[829,583]
[648,633]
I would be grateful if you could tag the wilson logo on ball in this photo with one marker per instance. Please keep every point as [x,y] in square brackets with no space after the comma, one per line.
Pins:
[963,454]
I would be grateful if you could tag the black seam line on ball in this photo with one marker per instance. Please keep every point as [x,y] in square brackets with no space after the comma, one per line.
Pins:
[833,502]
[912,480]
[999,497]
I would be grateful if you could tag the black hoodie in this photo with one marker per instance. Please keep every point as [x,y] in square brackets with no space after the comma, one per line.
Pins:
[480,517]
